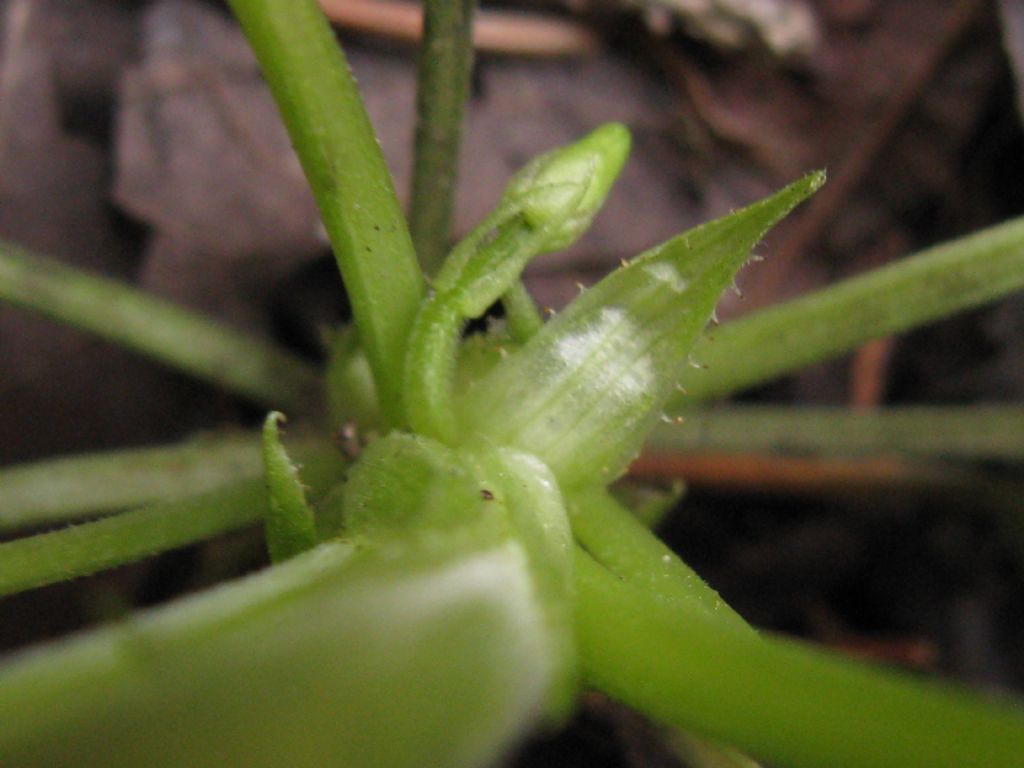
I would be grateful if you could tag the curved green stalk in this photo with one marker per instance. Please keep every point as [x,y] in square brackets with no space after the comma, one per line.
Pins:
[445,63]
[521,313]
[80,550]
[916,290]
[314,89]
[546,205]
[779,700]
[177,337]
[948,432]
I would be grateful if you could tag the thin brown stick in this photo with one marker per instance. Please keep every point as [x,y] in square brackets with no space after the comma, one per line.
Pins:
[502,32]
[763,474]
[869,367]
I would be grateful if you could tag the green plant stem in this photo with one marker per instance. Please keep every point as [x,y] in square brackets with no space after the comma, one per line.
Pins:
[779,700]
[80,550]
[314,89]
[627,548]
[971,432]
[161,330]
[916,290]
[521,313]
[445,63]
[76,486]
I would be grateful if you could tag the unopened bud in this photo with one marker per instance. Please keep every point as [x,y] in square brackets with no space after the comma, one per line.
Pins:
[562,190]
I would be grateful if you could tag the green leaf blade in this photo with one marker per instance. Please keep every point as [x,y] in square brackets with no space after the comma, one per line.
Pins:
[365,659]
[623,545]
[80,550]
[779,700]
[922,288]
[584,391]
[314,89]
[172,335]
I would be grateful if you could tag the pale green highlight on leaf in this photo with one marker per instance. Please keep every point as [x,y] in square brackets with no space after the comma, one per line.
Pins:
[585,390]
[290,527]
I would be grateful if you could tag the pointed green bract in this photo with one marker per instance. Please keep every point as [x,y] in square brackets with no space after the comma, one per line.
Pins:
[290,526]
[546,206]
[584,391]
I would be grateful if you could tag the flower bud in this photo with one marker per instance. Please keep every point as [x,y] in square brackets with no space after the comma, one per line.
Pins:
[563,189]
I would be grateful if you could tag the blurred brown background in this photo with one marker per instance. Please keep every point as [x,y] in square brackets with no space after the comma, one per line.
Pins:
[137,139]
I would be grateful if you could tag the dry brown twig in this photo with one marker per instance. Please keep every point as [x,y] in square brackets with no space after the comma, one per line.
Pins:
[501,32]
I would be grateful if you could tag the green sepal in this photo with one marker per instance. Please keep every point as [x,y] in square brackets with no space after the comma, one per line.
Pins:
[528,493]
[585,390]
[404,485]
[289,527]
[408,487]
